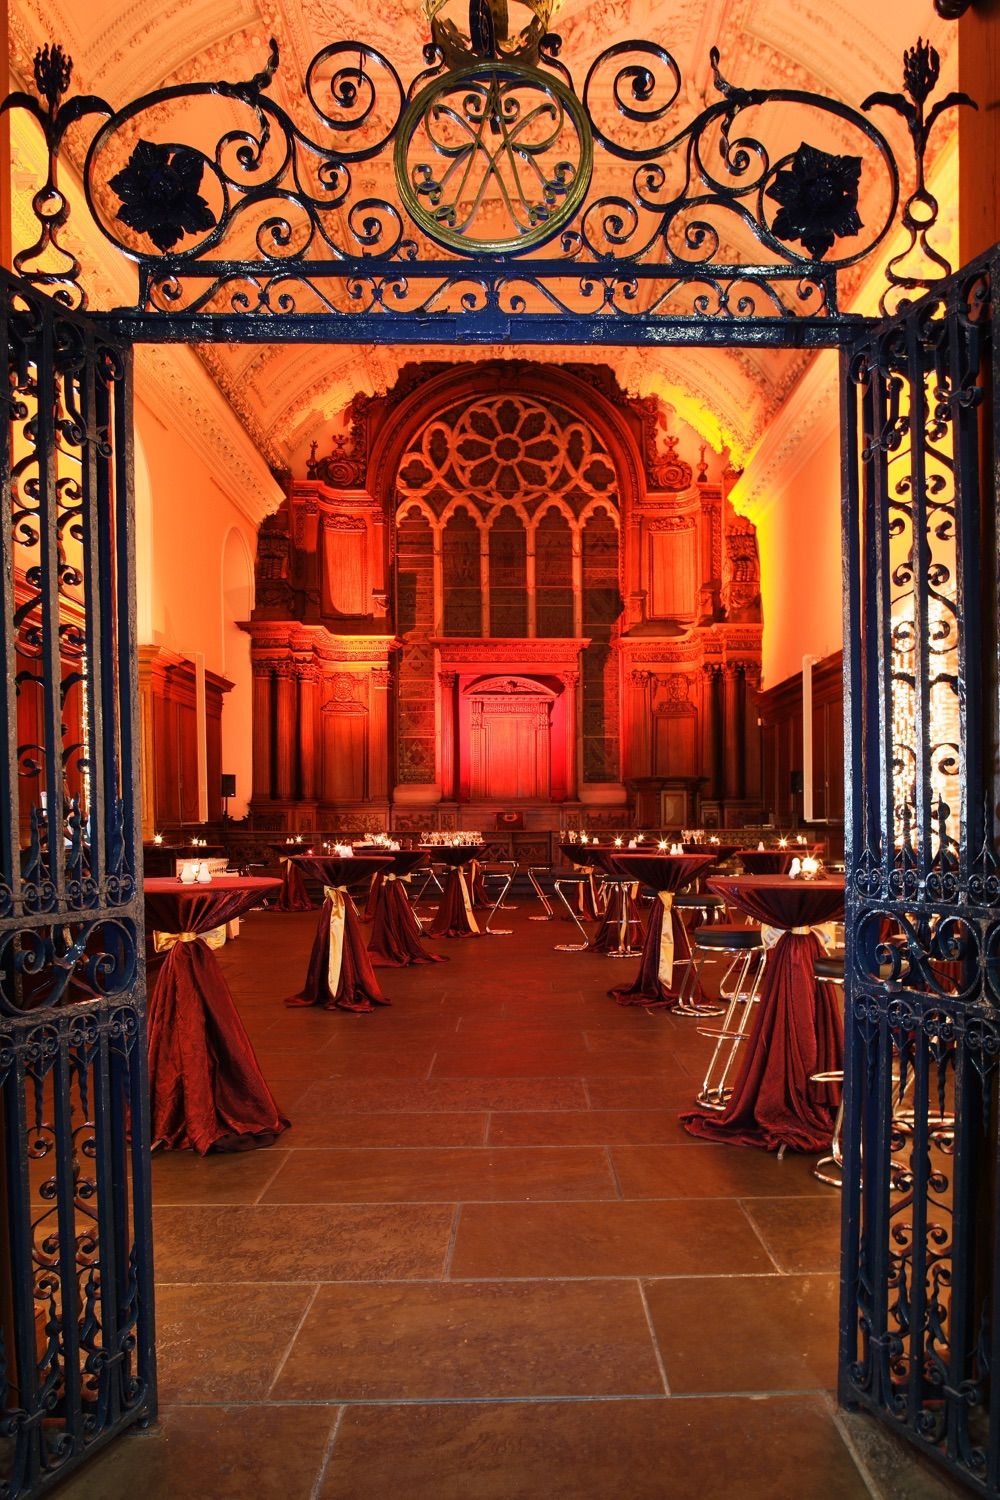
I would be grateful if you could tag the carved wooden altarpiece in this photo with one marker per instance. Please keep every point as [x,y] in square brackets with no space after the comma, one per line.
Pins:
[506,521]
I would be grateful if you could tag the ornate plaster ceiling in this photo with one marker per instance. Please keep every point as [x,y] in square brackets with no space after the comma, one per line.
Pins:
[285,397]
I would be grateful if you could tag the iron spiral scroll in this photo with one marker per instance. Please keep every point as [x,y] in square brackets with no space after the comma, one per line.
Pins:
[502,192]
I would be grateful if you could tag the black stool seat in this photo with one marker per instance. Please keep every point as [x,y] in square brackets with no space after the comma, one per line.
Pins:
[693,902]
[732,939]
[830,968]
[574,877]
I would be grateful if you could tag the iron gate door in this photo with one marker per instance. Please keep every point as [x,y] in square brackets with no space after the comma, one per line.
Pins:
[76,1331]
[920,1334]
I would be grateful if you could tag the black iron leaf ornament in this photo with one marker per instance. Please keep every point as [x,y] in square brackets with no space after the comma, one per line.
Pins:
[818,194]
[159,193]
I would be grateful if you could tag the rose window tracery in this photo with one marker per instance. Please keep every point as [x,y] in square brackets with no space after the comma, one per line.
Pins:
[506,449]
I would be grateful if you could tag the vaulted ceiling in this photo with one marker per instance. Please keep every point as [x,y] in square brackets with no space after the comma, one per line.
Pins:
[286,396]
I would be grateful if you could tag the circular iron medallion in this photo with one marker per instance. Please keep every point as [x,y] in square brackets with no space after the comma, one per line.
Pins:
[493,159]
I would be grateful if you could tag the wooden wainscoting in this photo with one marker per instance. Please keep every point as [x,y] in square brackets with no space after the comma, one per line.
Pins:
[780,711]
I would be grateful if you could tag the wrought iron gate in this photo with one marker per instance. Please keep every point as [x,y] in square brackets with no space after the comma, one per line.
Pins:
[920,1330]
[76,1335]
[617,225]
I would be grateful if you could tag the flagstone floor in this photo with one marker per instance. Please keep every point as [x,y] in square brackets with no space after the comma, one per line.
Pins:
[486,1262]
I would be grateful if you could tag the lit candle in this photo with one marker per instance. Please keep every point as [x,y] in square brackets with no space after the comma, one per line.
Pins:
[782,843]
[638,838]
[663,844]
[810,867]
[157,838]
[618,842]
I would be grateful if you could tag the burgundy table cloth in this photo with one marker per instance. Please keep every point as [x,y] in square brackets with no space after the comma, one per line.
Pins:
[586,892]
[798,1030]
[622,926]
[294,896]
[455,916]
[340,974]
[207,1092]
[667,942]
[396,939]
[768,861]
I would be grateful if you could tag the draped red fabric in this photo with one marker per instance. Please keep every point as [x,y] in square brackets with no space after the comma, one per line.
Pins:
[782,902]
[608,935]
[395,938]
[357,988]
[768,861]
[451,918]
[206,1089]
[294,896]
[659,872]
[477,888]
[798,1030]
[647,988]
[371,905]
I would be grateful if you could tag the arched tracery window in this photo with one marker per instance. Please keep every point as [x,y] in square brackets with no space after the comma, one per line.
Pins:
[518,499]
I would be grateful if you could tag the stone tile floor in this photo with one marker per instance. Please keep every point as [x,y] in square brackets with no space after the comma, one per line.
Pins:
[487,1263]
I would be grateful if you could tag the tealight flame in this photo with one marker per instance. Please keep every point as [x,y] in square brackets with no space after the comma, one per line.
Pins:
[810,867]
[782,843]
[618,842]
[157,838]
[663,844]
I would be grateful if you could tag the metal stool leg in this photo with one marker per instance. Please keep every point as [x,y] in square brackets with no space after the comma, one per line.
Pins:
[686,1004]
[546,903]
[570,947]
[498,903]
[836,1157]
[715,1091]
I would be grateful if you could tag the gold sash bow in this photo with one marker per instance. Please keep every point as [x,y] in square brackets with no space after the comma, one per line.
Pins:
[338,899]
[665,971]
[467,902]
[164,941]
[770,935]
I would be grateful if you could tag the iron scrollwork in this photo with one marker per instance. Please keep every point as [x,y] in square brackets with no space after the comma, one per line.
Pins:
[76,1358]
[923,1018]
[500,198]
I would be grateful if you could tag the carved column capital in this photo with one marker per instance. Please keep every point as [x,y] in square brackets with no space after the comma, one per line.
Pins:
[381,677]
[447,679]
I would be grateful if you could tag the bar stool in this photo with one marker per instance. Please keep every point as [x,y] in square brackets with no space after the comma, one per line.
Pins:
[744,948]
[573,880]
[533,872]
[432,877]
[829,969]
[502,870]
[712,910]
[618,889]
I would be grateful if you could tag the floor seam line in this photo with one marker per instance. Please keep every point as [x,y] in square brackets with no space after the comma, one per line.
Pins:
[449,1253]
[324,1464]
[658,1352]
[291,1342]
